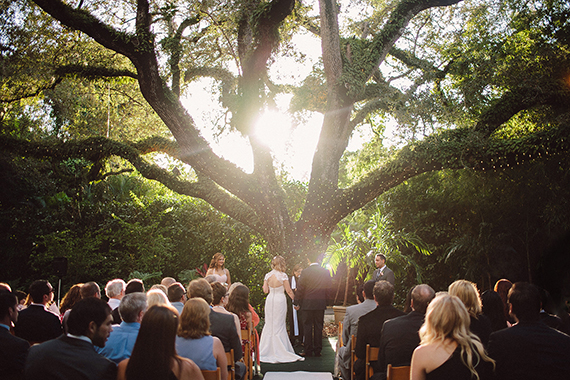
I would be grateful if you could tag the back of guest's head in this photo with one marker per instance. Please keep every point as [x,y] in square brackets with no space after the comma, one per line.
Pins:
[131,305]
[38,289]
[278,263]
[468,294]
[134,285]
[84,312]
[72,296]
[195,319]
[383,293]
[156,297]
[368,289]
[422,295]
[21,295]
[360,293]
[175,292]
[90,289]
[524,299]
[5,286]
[219,291]
[160,287]
[238,301]
[8,300]
[492,308]
[155,345]
[167,281]
[211,278]
[446,317]
[115,287]
[200,288]
[233,286]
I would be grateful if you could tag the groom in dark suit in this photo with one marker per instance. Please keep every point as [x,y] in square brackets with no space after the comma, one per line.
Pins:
[311,297]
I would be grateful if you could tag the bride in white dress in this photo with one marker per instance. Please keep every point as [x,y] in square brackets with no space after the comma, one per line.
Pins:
[275,346]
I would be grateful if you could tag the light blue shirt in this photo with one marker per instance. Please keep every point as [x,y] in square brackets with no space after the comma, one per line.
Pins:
[200,351]
[120,344]
[179,306]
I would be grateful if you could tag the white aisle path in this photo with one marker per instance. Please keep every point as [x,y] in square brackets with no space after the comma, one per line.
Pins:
[298,375]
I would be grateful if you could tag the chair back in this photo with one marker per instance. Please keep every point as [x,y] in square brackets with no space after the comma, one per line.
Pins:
[371,356]
[352,355]
[340,342]
[398,373]
[231,364]
[212,375]
[247,358]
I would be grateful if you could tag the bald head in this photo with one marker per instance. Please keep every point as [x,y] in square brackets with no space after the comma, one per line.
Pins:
[421,297]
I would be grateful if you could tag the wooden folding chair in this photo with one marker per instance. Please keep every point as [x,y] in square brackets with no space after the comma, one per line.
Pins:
[212,375]
[371,356]
[340,342]
[398,373]
[247,359]
[352,356]
[231,365]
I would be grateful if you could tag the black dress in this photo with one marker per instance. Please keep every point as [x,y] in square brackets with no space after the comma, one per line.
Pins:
[454,369]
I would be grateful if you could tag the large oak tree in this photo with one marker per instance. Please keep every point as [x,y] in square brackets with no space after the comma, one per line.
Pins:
[486,92]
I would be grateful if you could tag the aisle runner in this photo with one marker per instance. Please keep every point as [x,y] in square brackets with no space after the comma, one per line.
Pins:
[298,375]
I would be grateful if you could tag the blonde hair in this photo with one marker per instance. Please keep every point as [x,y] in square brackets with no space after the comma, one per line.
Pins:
[468,294]
[447,318]
[195,319]
[278,263]
[156,297]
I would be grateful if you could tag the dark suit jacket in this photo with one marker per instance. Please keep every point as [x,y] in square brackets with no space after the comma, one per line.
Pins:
[36,324]
[224,327]
[530,351]
[399,340]
[387,275]
[13,353]
[68,358]
[370,328]
[313,288]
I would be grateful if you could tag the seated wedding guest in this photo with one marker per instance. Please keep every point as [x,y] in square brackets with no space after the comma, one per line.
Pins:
[22,299]
[492,308]
[13,350]
[529,349]
[163,288]
[370,324]
[90,289]
[133,286]
[350,326]
[177,296]
[36,324]
[220,300]
[115,291]
[72,356]
[502,288]
[194,340]
[400,336]
[467,292]
[254,316]
[222,325]
[5,286]
[122,339]
[238,303]
[154,355]
[167,281]
[448,350]
[70,298]
[156,297]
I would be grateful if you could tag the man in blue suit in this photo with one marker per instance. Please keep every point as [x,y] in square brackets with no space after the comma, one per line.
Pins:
[311,297]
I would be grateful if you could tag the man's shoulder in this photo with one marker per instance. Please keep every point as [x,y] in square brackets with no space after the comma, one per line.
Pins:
[12,340]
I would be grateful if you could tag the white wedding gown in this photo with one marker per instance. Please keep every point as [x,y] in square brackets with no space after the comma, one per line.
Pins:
[275,346]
